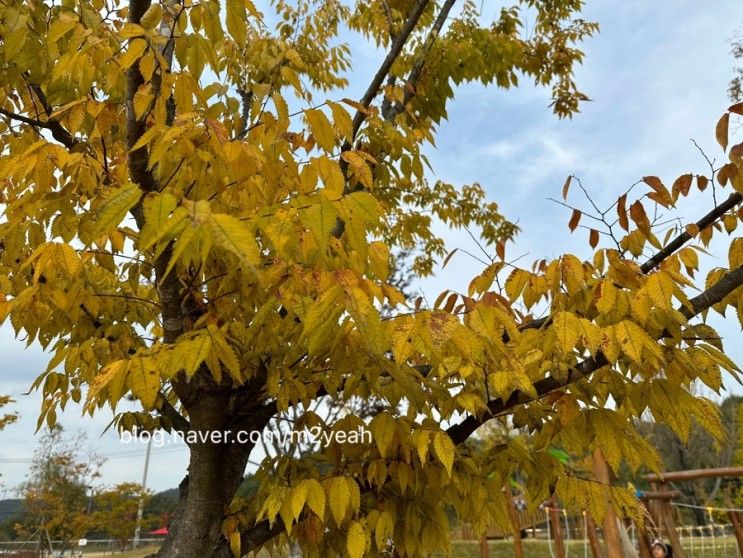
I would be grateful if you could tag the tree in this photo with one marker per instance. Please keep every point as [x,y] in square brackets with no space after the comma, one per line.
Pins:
[116,512]
[7,418]
[198,217]
[735,89]
[56,492]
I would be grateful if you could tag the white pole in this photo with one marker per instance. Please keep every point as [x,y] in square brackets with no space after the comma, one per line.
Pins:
[140,509]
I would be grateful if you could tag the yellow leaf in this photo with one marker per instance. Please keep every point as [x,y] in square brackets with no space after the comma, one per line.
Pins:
[65,259]
[383,428]
[183,91]
[188,354]
[297,498]
[233,235]
[157,209]
[379,260]
[315,497]
[420,440]
[567,330]
[235,544]
[59,29]
[14,41]
[356,541]
[131,30]
[321,129]
[360,167]
[320,219]
[321,317]
[516,282]
[660,288]
[196,56]
[660,194]
[133,53]
[236,21]
[223,351]
[443,448]
[331,175]
[117,203]
[112,378]
[152,17]
[339,498]
[632,338]
[384,530]
[144,381]
[343,121]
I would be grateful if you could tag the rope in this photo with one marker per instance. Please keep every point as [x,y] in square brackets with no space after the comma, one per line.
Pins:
[706,508]
[549,534]
[567,533]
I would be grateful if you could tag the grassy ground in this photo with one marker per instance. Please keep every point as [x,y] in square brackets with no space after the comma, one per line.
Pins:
[724,548]
[139,553]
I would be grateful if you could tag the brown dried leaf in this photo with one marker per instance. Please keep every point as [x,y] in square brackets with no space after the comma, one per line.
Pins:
[593,239]
[637,212]
[681,186]
[574,219]
[721,130]
[566,187]
[702,182]
[622,212]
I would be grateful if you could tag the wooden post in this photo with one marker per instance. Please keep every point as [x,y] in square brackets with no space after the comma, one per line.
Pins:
[666,516]
[518,547]
[556,529]
[612,542]
[642,541]
[735,519]
[593,540]
[484,549]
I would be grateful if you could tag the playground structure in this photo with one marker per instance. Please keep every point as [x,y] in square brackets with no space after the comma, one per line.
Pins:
[567,533]
[660,506]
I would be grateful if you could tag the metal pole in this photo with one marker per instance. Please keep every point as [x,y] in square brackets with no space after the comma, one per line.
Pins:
[140,509]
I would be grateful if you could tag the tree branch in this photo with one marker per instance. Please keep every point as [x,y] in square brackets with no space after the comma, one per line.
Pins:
[258,535]
[135,127]
[462,431]
[58,131]
[667,251]
[684,237]
[179,422]
[397,45]
[410,85]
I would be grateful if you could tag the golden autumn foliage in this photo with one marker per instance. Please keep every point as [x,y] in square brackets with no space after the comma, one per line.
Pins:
[197,215]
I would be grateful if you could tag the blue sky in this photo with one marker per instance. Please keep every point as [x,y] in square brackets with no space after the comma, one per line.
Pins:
[657,75]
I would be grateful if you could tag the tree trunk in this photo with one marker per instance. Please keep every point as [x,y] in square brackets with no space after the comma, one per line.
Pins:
[215,472]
